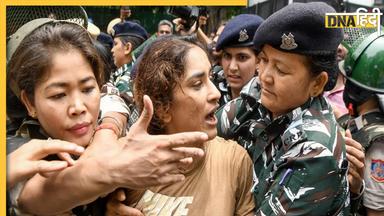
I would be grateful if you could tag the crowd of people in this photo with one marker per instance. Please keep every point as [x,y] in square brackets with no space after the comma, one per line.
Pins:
[274,116]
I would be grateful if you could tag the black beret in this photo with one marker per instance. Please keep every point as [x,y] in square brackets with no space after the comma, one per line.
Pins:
[239,31]
[105,39]
[129,28]
[299,28]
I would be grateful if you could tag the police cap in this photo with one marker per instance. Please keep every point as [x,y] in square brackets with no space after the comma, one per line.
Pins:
[239,31]
[299,28]
[128,28]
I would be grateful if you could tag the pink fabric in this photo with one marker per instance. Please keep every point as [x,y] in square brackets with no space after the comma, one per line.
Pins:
[336,100]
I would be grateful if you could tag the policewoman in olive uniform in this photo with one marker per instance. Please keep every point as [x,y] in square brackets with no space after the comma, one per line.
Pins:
[283,120]
[364,95]
[127,36]
[238,59]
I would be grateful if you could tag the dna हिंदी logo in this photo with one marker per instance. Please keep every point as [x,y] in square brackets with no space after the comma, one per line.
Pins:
[360,19]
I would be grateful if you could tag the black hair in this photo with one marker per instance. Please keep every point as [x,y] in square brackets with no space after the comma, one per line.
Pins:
[135,41]
[325,62]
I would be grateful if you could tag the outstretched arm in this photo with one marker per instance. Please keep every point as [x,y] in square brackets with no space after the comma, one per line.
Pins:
[136,161]
[26,161]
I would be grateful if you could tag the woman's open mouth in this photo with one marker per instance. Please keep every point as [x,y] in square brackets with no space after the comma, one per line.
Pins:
[211,119]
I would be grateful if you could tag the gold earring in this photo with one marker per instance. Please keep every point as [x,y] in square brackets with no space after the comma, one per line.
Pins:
[33,114]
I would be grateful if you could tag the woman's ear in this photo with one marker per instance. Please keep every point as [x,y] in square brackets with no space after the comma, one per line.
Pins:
[128,48]
[28,104]
[318,84]
[164,114]
[167,117]
[257,69]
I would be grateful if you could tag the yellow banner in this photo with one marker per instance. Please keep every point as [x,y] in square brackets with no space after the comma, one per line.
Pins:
[2,111]
[131,2]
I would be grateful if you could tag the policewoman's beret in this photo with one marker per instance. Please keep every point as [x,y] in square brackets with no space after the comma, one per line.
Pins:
[299,28]
[239,31]
[128,28]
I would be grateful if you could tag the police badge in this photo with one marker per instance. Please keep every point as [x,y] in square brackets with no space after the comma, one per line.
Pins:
[243,36]
[377,170]
[288,42]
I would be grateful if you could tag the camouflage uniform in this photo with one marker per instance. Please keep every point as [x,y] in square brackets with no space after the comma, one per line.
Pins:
[221,84]
[122,80]
[368,129]
[299,158]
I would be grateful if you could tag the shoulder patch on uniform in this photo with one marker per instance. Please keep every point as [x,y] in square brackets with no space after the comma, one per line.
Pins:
[293,135]
[377,170]
[314,125]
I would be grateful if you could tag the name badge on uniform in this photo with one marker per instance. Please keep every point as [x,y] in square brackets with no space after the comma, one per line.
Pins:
[243,35]
[288,42]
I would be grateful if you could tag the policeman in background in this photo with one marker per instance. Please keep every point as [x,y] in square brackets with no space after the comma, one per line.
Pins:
[127,36]
[364,96]
[238,58]
[164,27]
[285,123]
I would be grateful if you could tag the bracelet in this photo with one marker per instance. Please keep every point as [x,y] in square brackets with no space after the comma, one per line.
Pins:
[109,126]
[116,122]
